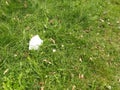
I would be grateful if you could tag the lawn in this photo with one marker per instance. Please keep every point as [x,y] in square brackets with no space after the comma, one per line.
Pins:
[80,50]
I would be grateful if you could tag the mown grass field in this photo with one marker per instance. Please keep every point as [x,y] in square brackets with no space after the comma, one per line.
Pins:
[84,33]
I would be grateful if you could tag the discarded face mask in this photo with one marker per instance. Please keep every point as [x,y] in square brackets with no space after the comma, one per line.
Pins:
[35,42]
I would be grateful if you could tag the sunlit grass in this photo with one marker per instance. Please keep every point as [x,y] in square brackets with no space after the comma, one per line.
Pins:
[80,48]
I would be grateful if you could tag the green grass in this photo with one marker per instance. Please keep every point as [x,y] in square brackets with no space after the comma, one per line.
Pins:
[85,34]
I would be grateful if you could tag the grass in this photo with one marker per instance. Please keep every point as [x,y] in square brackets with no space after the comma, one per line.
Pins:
[84,33]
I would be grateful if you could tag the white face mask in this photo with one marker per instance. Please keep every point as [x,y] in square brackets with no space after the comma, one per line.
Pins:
[35,42]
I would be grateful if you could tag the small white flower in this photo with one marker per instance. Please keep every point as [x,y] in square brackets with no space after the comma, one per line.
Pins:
[54,50]
[80,59]
[35,42]
[62,45]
